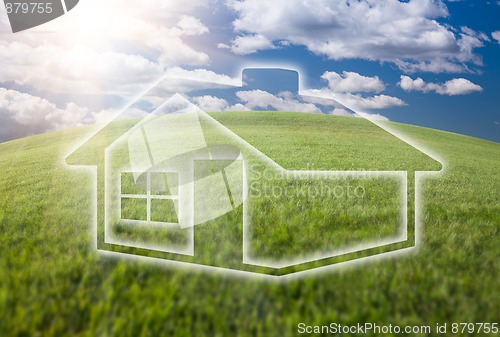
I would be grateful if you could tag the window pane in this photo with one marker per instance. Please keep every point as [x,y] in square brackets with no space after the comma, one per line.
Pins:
[130,186]
[164,210]
[163,183]
[134,209]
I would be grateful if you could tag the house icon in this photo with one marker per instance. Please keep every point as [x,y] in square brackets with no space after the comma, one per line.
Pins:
[179,183]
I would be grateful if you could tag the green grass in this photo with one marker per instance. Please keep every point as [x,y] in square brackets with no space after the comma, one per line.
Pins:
[291,220]
[53,283]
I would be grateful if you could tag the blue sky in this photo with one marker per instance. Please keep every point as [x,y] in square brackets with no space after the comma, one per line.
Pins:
[424,62]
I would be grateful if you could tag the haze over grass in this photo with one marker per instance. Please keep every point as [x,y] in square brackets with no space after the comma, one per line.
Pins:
[53,283]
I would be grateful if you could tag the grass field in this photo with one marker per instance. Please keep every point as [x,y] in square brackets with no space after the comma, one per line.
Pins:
[53,283]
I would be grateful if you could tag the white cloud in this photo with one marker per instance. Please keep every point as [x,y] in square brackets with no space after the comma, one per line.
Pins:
[75,70]
[23,115]
[356,101]
[345,113]
[460,86]
[223,46]
[341,112]
[466,40]
[184,81]
[456,86]
[213,104]
[377,102]
[191,26]
[203,75]
[376,117]
[406,33]
[104,47]
[210,103]
[258,99]
[248,44]
[352,82]
[345,89]
[496,36]
[237,107]
[4,22]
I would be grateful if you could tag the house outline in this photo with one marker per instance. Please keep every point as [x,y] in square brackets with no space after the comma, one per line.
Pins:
[185,210]
[401,175]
